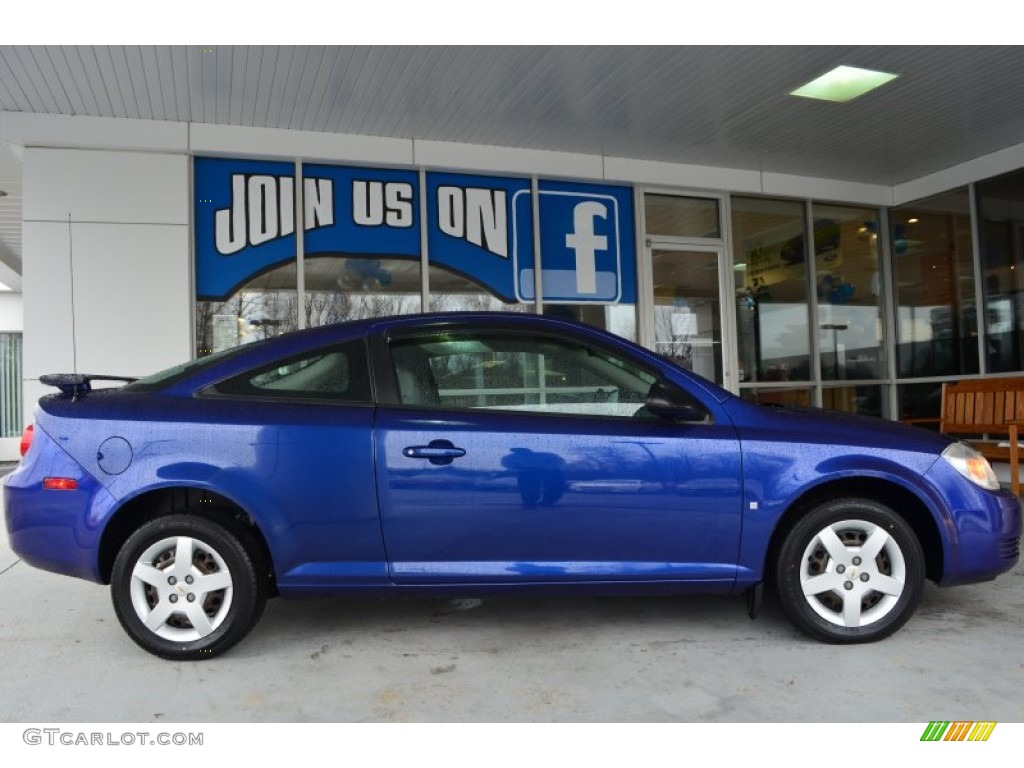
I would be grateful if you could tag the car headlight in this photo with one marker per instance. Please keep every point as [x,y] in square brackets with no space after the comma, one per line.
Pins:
[972,465]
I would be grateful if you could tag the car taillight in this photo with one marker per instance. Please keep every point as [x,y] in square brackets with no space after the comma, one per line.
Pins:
[26,439]
[60,484]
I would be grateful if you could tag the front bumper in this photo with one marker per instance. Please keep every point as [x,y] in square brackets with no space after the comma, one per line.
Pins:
[982,529]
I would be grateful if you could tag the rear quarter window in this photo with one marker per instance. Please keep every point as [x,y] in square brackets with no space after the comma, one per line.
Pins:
[338,373]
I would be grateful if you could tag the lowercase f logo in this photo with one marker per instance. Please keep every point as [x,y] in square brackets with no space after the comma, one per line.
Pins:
[586,243]
[958,731]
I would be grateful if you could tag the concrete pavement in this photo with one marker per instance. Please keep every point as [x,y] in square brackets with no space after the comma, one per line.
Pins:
[64,658]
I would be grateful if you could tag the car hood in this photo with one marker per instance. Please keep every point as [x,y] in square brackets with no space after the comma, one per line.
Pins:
[816,425]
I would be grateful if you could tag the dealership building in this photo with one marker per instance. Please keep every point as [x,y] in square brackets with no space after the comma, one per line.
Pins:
[158,204]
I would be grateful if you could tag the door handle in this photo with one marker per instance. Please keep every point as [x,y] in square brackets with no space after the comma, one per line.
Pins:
[437,452]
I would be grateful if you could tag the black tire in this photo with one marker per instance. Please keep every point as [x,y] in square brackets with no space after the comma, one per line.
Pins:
[833,593]
[222,581]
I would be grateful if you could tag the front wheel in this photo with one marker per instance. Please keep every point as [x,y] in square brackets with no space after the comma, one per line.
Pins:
[186,588]
[850,571]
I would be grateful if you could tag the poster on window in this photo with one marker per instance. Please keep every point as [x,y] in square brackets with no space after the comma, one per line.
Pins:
[480,227]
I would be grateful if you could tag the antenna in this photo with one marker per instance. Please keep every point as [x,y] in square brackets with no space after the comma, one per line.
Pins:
[71,266]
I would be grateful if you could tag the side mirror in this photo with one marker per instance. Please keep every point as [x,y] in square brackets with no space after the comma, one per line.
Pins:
[668,402]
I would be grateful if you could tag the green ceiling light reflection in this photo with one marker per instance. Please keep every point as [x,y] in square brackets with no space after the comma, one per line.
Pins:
[843,84]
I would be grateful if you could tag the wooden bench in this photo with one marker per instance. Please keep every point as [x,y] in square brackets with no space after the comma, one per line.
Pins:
[987,413]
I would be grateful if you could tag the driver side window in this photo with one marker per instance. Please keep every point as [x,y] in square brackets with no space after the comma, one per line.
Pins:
[517,372]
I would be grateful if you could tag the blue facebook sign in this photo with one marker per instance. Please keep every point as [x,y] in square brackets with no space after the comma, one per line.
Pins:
[481,227]
[587,245]
[244,221]
[476,226]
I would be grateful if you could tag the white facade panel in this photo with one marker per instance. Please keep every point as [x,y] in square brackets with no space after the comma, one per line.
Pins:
[102,186]
[482,159]
[40,130]
[974,170]
[787,185]
[132,297]
[681,175]
[280,144]
[129,242]
[131,300]
[47,296]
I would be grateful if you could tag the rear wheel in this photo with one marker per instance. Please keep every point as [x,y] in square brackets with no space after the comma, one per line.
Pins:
[850,571]
[184,587]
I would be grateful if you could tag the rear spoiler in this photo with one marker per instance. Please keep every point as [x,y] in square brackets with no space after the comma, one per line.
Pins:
[76,384]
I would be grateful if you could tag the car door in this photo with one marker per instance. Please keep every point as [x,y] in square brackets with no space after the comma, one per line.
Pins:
[512,455]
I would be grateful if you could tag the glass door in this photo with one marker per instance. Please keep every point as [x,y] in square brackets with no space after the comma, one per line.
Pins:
[689,325]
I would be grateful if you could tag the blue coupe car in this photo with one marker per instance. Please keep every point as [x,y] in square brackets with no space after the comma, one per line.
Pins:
[472,454]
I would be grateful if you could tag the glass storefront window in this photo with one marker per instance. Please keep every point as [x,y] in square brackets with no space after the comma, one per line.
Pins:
[771,289]
[798,397]
[368,232]
[265,306]
[619,319]
[451,292]
[863,400]
[933,256]
[920,401]
[1001,222]
[672,216]
[340,288]
[848,278]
